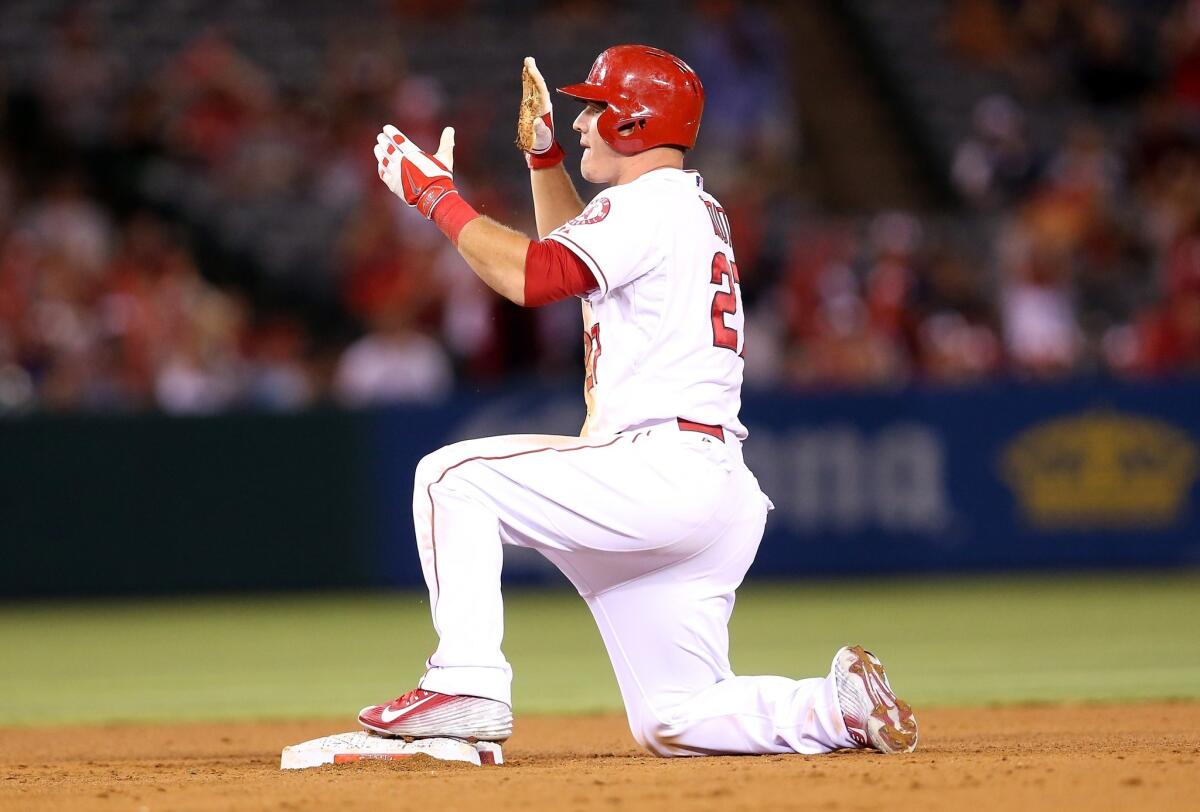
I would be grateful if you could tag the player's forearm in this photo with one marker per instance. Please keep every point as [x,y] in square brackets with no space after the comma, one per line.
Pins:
[555,200]
[497,255]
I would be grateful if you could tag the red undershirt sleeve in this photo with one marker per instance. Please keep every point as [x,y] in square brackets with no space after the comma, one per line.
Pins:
[553,273]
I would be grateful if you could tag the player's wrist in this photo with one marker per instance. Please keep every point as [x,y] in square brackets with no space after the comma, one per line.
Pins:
[551,157]
[427,199]
[451,214]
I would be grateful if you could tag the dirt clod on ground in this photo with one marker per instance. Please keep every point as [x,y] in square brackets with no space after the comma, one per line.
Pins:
[1094,757]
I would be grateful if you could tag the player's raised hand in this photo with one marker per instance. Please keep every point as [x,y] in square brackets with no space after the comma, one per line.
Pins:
[542,108]
[421,179]
[535,126]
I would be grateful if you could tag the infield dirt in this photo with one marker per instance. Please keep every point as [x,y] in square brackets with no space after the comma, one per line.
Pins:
[1094,757]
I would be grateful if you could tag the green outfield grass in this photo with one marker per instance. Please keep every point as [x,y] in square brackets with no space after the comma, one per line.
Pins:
[945,642]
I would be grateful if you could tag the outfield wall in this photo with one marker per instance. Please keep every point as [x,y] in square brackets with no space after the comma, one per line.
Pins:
[1002,477]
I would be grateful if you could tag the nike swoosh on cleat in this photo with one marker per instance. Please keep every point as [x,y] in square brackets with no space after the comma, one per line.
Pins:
[388,715]
[882,695]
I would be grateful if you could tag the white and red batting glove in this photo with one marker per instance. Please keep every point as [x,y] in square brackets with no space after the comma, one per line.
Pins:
[424,181]
[546,150]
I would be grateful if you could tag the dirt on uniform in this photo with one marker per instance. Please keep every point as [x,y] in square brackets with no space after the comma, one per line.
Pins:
[1093,757]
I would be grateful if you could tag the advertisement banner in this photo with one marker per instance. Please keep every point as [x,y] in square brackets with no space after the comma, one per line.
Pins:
[1006,477]
[1095,475]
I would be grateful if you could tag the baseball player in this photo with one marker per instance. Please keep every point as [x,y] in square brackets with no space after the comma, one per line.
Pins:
[651,512]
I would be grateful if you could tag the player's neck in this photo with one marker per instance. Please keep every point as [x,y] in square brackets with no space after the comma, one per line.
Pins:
[635,166]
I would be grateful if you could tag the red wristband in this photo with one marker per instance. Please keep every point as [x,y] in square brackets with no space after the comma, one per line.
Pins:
[452,213]
[551,157]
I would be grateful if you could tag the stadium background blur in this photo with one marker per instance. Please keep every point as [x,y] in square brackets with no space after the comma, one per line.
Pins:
[969,238]
[189,220]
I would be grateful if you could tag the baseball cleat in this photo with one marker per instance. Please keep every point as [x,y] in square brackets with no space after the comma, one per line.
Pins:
[421,714]
[873,715]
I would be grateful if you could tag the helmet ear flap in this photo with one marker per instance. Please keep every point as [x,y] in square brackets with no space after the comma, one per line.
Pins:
[620,130]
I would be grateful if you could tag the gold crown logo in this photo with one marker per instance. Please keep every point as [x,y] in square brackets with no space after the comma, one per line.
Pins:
[1101,469]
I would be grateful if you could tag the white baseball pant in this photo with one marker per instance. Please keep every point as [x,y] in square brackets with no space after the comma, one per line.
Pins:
[656,528]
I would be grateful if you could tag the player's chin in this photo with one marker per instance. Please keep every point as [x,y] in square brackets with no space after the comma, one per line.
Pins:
[587,167]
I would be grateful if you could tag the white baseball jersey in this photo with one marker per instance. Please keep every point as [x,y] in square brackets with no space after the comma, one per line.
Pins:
[664,331]
[654,523]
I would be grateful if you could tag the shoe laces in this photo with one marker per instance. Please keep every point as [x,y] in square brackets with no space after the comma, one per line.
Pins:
[404,700]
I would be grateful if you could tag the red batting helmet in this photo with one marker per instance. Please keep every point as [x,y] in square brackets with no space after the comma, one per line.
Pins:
[651,98]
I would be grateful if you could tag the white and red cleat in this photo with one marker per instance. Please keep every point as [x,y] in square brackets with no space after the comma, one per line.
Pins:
[873,715]
[421,714]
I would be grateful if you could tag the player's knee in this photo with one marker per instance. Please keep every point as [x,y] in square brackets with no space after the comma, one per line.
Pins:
[438,465]
[434,467]
[655,737]
[427,472]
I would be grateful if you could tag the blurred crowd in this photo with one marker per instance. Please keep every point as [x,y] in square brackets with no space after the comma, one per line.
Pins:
[1071,254]
[207,236]
[1094,251]
[136,239]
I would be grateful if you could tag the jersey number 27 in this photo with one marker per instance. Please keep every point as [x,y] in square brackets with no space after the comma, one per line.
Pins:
[725,301]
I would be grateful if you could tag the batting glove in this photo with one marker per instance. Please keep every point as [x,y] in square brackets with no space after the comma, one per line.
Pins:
[546,150]
[422,180]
